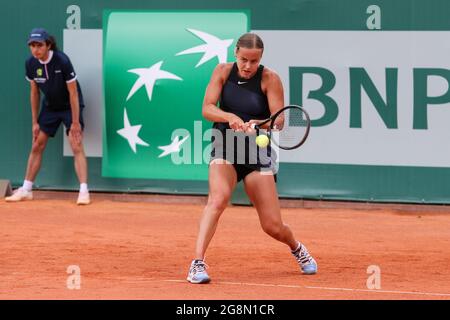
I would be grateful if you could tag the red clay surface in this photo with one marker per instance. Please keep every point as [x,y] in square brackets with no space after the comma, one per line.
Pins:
[142,250]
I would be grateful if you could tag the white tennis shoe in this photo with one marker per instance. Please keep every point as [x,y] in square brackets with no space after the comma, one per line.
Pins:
[197,272]
[83,198]
[20,194]
[305,260]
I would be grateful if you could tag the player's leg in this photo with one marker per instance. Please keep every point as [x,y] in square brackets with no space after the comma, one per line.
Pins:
[261,189]
[80,161]
[35,158]
[79,157]
[48,125]
[33,166]
[222,181]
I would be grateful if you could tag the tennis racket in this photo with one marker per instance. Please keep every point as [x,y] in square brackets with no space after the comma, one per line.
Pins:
[288,127]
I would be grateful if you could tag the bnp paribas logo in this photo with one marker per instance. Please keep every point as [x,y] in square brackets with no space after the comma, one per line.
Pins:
[157,65]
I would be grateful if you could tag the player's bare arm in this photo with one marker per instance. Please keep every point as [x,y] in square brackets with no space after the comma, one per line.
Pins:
[75,128]
[210,110]
[273,87]
[34,101]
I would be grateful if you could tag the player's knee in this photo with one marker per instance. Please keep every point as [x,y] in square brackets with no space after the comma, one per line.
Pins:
[77,147]
[218,202]
[273,229]
[38,147]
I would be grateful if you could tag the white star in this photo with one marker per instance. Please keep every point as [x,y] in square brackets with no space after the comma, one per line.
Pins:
[148,77]
[130,133]
[213,47]
[173,147]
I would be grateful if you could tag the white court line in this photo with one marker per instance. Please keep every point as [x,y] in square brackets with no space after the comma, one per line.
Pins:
[325,288]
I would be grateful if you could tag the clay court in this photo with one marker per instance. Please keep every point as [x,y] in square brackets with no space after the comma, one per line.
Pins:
[140,247]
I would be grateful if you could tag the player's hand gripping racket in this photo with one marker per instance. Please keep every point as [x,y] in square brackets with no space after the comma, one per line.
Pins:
[288,128]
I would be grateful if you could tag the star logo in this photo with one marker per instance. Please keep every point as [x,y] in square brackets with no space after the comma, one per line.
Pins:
[148,77]
[173,147]
[154,86]
[130,133]
[214,47]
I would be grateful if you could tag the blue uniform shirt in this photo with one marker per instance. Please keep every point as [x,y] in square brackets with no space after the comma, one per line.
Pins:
[52,77]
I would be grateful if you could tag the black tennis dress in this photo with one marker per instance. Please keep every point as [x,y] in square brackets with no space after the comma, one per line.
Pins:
[244,98]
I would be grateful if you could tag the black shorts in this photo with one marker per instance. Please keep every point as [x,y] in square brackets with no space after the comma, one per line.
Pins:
[240,150]
[49,121]
[242,171]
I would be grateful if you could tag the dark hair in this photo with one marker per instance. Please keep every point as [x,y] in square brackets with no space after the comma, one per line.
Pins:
[250,41]
[51,42]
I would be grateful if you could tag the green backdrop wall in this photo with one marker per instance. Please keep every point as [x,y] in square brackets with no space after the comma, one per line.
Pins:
[391,183]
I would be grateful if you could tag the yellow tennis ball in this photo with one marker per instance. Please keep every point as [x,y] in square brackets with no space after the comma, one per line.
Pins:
[262,140]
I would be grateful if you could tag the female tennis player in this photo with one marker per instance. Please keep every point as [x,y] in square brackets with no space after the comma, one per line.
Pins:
[50,71]
[246,91]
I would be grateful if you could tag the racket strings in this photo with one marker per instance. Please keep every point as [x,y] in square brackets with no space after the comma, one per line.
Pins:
[295,130]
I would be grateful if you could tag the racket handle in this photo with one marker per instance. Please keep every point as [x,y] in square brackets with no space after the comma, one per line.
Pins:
[254,126]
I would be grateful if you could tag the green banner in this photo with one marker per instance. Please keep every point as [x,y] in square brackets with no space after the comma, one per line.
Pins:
[156,67]
[400,45]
